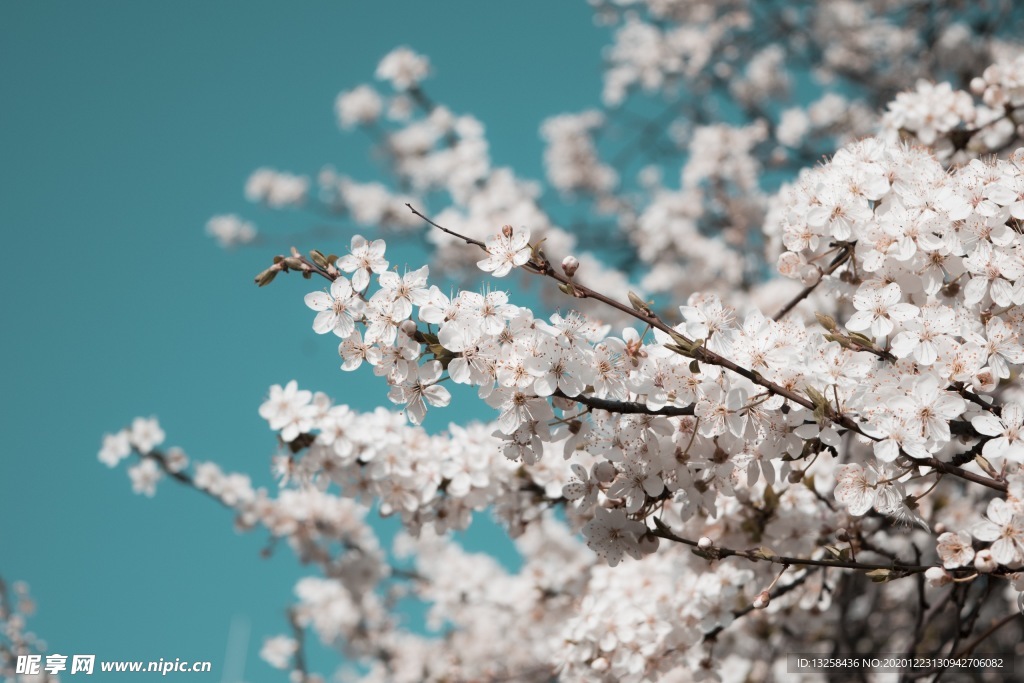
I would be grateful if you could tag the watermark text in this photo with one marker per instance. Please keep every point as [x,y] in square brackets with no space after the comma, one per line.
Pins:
[33,665]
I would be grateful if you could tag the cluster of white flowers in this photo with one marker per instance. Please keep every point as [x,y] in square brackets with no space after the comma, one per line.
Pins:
[1002,526]
[722,154]
[16,606]
[278,651]
[718,185]
[1001,85]
[616,632]
[360,106]
[952,123]
[441,151]
[830,114]
[427,480]
[230,230]
[940,288]
[403,68]
[930,110]
[706,60]
[143,437]
[649,56]
[883,434]
[765,77]
[859,38]
[369,204]
[276,189]
[571,159]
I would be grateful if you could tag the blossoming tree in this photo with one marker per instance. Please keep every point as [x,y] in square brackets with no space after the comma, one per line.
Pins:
[778,409]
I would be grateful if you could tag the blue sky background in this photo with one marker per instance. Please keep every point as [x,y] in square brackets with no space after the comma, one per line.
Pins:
[123,128]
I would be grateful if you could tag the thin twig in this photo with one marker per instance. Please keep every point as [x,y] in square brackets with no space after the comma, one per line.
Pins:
[837,262]
[626,407]
[467,240]
[5,601]
[716,552]
[992,629]
[299,658]
[776,593]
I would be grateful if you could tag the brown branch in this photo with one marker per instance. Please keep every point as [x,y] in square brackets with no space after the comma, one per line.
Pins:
[5,600]
[922,606]
[948,468]
[626,407]
[182,477]
[299,633]
[716,552]
[992,629]
[967,622]
[919,631]
[187,480]
[776,593]
[969,648]
[974,398]
[837,262]
[467,240]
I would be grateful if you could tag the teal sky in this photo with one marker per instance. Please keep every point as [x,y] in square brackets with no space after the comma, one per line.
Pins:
[123,128]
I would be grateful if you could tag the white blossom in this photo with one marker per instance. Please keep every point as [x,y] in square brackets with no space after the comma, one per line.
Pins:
[358,107]
[418,390]
[403,68]
[508,249]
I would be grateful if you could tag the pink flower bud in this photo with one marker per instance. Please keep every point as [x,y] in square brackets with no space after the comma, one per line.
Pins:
[762,600]
[649,544]
[704,543]
[984,381]
[937,577]
[984,562]
[604,471]
[570,264]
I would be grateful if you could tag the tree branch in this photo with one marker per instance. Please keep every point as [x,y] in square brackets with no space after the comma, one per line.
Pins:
[716,552]
[844,255]
[626,407]
[776,593]
[988,632]
[299,634]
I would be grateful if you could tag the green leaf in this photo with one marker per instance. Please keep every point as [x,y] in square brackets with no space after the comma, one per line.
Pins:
[826,321]
[266,277]
[318,258]
[880,575]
